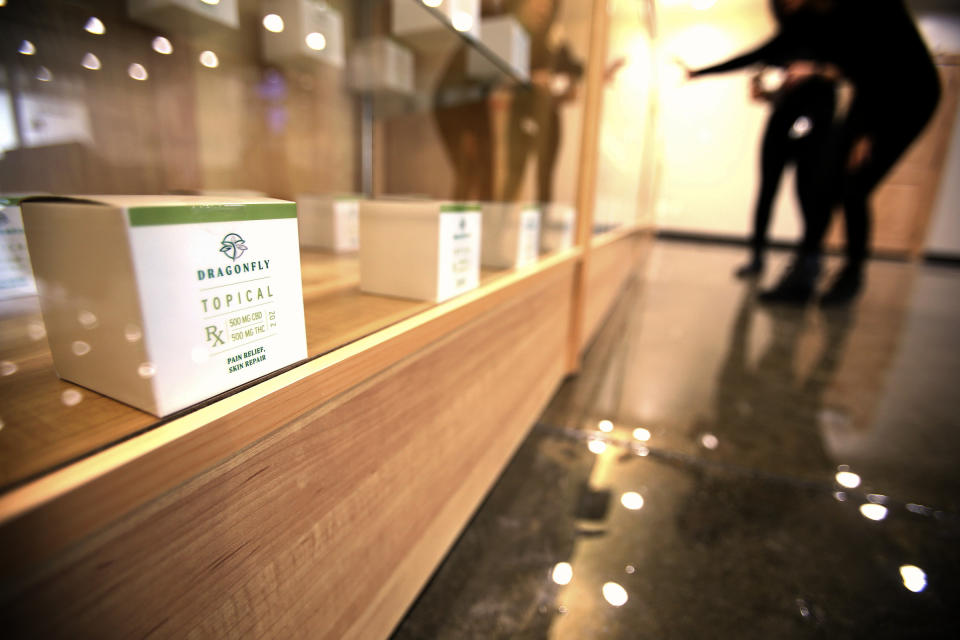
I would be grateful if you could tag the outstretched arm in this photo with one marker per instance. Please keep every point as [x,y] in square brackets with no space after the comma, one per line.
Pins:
[766,53]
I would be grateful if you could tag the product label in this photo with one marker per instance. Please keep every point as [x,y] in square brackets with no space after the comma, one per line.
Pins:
[221,293]
[16,276]
[459,252]
[528,240]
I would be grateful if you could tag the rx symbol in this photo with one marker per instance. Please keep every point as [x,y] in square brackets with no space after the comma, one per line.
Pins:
[215,336]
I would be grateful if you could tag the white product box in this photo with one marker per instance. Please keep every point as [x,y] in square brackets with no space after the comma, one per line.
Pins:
[415,24]
[425,250]
[329,222]
[16,277]
[511,235]
[165,301]
[507,38]
[176,16]
[558,227]
[382,65]
[307,31]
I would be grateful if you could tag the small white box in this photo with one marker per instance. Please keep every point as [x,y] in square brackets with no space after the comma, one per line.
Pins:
[307,31]
[382,65]
[177,16]
[511,235]
[165,301]
[558,227]
[16,277]
[329,222]
[507,38]
[415,24]
[425,250]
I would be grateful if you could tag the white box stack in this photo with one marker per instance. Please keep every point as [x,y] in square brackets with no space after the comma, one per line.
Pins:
[380,65]
[507,38]
[419,249]
[165,301]
[329,222]
[558,227]
[511,235]
[176,16]
[307,31]
[415,24]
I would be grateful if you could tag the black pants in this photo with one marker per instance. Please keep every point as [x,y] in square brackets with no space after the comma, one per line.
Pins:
[800,130]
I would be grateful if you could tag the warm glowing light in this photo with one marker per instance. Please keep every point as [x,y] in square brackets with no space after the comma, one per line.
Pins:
[87,318]
[137,71]
[709,441]
[562,573]
[91,62]
[7,368]
[273,23]
[462,21]
[44,75]
[209,59]
[848,479]
[80,347]
[132,333]
[632,500]
[914,578]
[597,446]
[95,26]
[27,48]
[615,594]
[210,1]
[702,5]
[605,425]
[872,511]
[147,370]
[3,3]
[162,46]
[432,3]
[71,397]
[641,434]
[36,330]
[316,41]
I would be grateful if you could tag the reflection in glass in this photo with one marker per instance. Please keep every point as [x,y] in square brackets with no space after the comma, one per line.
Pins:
[597,446]
[27,48]
[36,330]
[137,71]
[615,594]
[914,578]
[632,500]
[95,26]
[848,479]
[7,368]
[273,23]
[147,370]
[162,46]
[71,397]
[132,333]
[80,348]
[44,75]
[316,41]
[641,434]
[873,511]
[605,425]
[209,59]
[91,62]
[709,441]
[88,319]
[562,573]
[462,21]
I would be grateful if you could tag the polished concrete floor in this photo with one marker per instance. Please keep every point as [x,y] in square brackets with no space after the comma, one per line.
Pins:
[763,472]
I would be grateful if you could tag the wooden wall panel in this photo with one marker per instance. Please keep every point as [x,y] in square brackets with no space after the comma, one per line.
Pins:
[328,527]
[611,263]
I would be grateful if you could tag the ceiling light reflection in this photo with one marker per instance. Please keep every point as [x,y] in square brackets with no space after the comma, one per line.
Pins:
[316,41]
[615,594]
[209,59]
[71,397]
[605,425]
[95,26]
[162,46]
[914,578]
[875,512]
[27,48]
[632,500]
[36,330]
[273,23]
[597,446]
[462,21]
[7,368]
[709,441]
[137,71]
[147,370]
[210,1]
[91,62]
[432,3]
[848,479]
[641,434]
[44,75]
[562,573]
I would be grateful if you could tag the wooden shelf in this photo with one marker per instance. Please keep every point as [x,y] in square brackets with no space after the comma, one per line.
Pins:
[44,429]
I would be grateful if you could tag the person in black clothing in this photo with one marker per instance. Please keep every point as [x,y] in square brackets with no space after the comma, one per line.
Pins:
[876,46]
[800,129]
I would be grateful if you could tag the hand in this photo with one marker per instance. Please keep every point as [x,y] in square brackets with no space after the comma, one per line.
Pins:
[859,153]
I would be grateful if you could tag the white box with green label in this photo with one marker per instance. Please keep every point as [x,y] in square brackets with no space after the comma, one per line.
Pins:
[419,249]
[177,16]
[16,278]
[558,227]
[304,31]
[329,222]
[162,302]
[511,234]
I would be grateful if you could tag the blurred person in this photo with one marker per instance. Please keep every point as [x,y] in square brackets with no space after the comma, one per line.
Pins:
[800,128]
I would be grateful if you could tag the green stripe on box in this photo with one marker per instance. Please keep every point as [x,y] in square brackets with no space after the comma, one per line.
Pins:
[194,214]
[9,201]
[459,208]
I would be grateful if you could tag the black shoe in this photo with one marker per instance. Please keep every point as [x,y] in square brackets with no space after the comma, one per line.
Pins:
[845,287]
[750,270]
[797,284]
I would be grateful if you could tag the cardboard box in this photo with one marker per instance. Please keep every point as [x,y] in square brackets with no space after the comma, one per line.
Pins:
[558,227]
[506,38]
[421,249]
[381,65]
[312,32]
[329,222]
[16,277]
[419,27]
[511,235]
[178,16]
[164,301]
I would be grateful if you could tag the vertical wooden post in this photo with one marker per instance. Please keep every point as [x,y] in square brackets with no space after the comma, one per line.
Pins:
[587,173]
